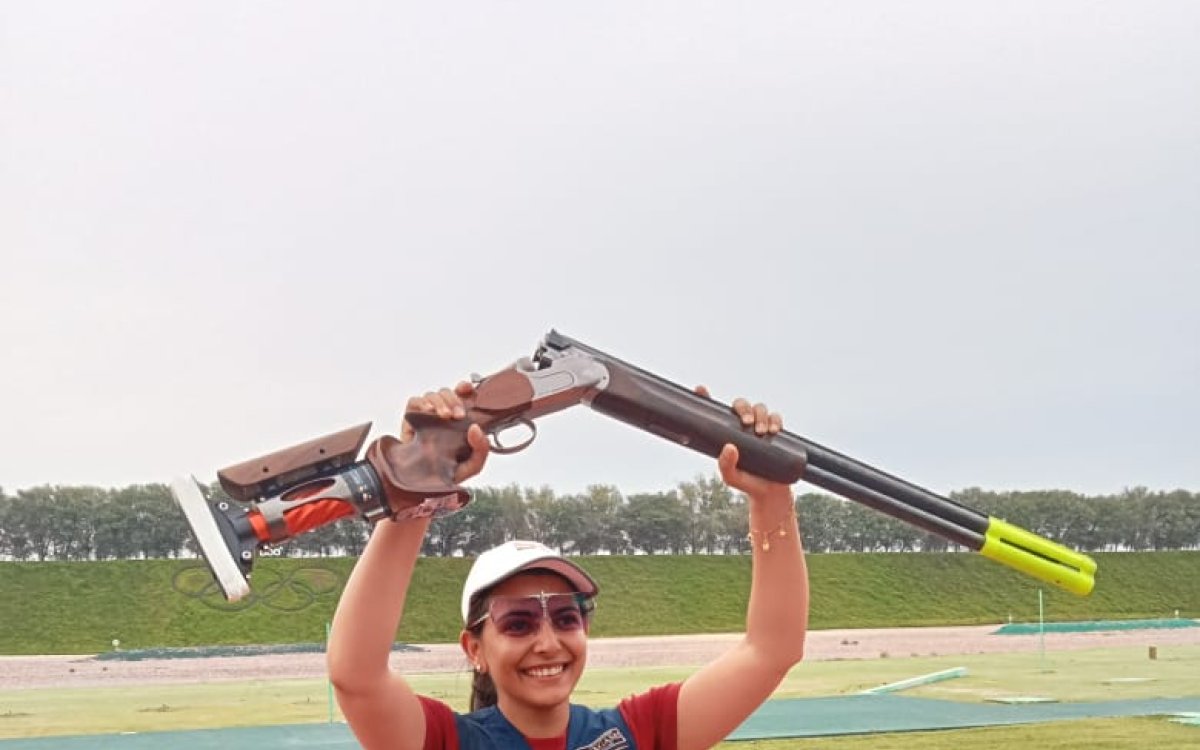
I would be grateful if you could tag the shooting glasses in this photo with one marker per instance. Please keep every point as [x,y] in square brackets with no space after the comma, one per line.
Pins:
[521,616]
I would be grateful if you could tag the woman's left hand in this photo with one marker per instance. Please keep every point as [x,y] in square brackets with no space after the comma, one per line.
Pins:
[764,422]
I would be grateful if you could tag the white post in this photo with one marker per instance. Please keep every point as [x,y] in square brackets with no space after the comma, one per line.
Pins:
[1042,628]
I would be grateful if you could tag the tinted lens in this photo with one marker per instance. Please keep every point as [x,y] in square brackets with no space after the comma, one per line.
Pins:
[518,616]
[567,617]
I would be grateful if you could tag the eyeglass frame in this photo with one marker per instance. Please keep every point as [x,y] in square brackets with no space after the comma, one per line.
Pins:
[585,602]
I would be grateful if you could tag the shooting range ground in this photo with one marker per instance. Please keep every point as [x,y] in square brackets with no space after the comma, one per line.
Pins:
[826,686]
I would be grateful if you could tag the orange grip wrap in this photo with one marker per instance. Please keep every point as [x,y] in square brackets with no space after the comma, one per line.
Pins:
[311,515]
[302,518]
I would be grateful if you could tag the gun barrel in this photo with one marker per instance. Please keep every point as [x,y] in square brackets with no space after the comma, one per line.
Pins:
[1039,557]
[657,405]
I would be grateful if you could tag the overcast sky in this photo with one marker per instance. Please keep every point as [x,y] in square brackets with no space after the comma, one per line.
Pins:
[959,241]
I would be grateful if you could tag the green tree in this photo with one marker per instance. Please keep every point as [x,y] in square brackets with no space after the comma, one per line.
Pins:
[711,515]
[539,513]
[158,528]
[564,523]
[113,536]
[1171,527]
[483,522]
[32,518]
[447,534]
[514,512]
[655,522]
[599,524]
[6,542]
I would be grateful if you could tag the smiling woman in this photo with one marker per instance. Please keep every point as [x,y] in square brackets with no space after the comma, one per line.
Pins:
[526,606]
[526,612]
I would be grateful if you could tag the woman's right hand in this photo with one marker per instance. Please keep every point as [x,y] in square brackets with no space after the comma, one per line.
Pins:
[448,404]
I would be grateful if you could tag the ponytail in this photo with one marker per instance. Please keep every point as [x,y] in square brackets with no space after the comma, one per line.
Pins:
[483,691]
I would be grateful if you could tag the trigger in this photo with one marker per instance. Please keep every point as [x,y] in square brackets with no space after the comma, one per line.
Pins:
[500,447]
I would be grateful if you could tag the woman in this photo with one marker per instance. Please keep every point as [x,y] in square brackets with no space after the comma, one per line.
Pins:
[526,613]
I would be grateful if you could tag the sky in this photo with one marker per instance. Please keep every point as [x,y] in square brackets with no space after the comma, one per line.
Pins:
[957,241]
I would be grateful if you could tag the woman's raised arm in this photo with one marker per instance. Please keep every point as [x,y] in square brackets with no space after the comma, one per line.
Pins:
[715,700]
[378,703]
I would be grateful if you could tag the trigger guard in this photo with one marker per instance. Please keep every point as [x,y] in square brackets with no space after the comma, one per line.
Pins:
[501,448]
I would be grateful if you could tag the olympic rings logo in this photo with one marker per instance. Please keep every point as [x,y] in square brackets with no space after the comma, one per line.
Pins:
[289,591]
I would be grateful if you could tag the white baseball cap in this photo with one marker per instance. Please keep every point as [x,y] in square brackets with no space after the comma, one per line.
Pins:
[511,558]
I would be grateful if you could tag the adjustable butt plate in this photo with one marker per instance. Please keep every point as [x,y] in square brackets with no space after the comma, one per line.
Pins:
[227,556]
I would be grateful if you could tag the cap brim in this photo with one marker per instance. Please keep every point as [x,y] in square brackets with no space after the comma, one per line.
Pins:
[580,580]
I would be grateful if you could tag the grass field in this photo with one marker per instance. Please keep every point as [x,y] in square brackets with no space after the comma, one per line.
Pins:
[79,608]
[1065,676]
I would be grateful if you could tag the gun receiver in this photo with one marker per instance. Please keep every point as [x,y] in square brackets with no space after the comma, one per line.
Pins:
[315,483]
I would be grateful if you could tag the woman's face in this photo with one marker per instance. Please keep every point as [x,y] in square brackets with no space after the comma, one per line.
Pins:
[534,662]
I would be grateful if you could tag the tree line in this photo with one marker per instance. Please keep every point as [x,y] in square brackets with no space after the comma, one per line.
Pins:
[699,517]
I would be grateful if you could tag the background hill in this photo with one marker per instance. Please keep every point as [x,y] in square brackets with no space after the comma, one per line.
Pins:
[61,607]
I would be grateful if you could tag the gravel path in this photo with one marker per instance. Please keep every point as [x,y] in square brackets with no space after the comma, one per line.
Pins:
[17,672]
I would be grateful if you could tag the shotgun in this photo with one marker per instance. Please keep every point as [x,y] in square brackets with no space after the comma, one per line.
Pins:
[301,488]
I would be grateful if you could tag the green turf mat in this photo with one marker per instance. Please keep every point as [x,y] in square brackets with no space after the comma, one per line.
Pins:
[1089,626]
[862,714]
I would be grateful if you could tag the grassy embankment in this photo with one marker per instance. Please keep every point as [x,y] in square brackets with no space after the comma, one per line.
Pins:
[82,607]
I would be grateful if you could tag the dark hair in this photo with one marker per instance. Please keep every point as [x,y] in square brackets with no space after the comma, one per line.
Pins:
[483,689]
